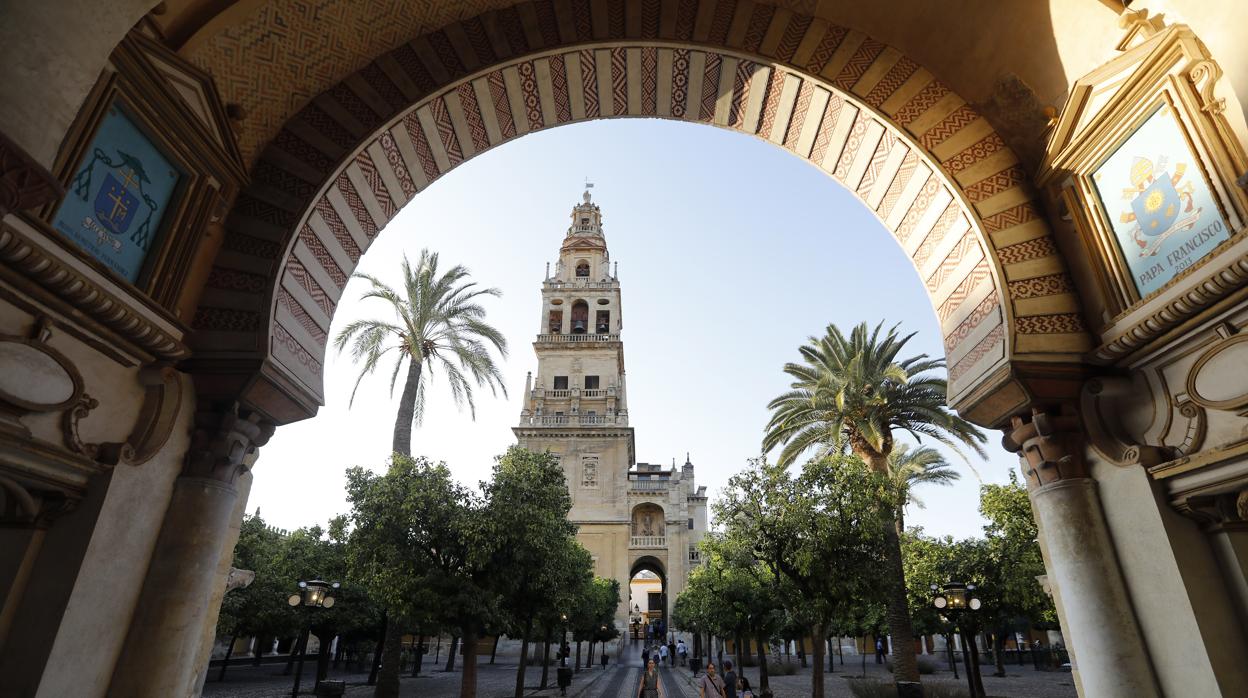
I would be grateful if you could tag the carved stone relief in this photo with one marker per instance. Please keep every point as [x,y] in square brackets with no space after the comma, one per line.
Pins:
[589,471]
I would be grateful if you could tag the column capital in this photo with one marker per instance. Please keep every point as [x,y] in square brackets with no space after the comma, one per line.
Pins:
[222,439]
[1049,443]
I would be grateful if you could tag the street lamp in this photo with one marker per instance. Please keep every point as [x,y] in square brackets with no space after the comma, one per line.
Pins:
[955,600]
[313,593]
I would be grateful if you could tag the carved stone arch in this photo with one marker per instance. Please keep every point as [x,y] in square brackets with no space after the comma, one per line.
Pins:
[931,168]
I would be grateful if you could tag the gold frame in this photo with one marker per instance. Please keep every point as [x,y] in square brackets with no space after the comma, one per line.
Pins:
[1170,68]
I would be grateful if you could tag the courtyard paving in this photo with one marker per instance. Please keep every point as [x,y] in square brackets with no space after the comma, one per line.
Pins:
[621,681]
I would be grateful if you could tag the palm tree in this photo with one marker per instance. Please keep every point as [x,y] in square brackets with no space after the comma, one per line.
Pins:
[438,322]
[909,467]
[855,391]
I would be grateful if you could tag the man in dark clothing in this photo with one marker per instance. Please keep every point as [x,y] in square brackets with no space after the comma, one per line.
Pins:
[730,681]
[671,650]
[879,650]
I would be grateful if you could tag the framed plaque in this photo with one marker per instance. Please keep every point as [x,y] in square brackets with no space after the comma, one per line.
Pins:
[118,197]
[1158,204]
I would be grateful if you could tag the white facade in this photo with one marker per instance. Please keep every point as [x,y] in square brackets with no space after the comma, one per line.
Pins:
[630,516]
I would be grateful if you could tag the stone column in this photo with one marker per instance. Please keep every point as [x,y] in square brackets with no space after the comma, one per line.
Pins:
[160,654]
[1097,617]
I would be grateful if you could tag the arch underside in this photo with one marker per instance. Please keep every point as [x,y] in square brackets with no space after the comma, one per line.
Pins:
[649,563]
[933,171]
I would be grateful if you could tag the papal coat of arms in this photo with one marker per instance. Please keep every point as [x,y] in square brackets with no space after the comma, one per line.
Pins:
[1160,207]
[1162,204]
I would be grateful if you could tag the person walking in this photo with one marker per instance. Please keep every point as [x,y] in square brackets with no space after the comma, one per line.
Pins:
[645,655]
[662,654]
[671,650]
[682,650]
[743,687]
[650,687]
[711,686]
[730,681]
[879,650]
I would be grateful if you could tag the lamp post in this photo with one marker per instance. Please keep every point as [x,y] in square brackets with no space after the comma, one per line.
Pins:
[955,600]
[312,594]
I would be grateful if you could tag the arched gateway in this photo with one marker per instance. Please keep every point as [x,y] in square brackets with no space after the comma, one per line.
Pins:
[1098,327]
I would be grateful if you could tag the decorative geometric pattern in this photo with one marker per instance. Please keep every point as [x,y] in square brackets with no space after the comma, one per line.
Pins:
[996,183]
[918,105]
[973,154]
[985,309]
[804,93]
[559,86]
[823,138]
[472,111]
[1060,323]
[793,33]
[908,165]
[892,81]
[831,40]
[956,121]
[589,84]
[882,151]
[680,82]
[858,64]
[619,80]
[502,109]
[1049,285]
[710,87]
[741,93]
[425,67]
[528,92]
[771,104]
[760,19]
[376,185]
[650,80]
[990,342]
[954,301]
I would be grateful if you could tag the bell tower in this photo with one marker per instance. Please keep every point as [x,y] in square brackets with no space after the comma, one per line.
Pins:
[629,516]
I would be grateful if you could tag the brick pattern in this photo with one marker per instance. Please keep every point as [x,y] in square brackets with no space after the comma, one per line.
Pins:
[858,64]
[619,80]
[823,137]
[472,114]
[650,80]
[1039,286]
[892,81]
[986,308]
[793,33]
[991,342]
[710,87]
[760,19]
[827,46]
[980,273]
[908,165]
[882,150]
[771,103]
[1060,323]
[446,130]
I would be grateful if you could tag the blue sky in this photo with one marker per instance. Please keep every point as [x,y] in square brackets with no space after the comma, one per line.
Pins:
[731,253]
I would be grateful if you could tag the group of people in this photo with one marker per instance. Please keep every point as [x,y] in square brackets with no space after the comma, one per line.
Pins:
[675,650]
[711,685]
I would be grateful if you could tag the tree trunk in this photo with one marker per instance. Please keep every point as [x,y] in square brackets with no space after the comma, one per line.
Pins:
[577,663]
[524,657]
[450,654]
[468,682]
[258,653]
[290,658]
[762,662]
[801,650]
[545,659]
[740,655]
[905,663]
[229,652]
[816,671]
[419,660]
[494,650]
[377,652]
[979,677]
[589,661]
[831,659]
[407,410]
[322,656]
[998,652]
[391,654]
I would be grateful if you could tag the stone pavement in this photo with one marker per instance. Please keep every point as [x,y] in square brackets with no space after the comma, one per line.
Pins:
[621,680]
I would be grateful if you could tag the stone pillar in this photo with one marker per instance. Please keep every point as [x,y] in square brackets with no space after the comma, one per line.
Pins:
[160,655]
[1096,613]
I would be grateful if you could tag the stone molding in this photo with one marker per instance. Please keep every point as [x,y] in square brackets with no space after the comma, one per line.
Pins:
[24,183]
[84,294]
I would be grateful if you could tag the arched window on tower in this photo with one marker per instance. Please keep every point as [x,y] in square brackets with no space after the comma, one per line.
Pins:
[582,269]
[580,317]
